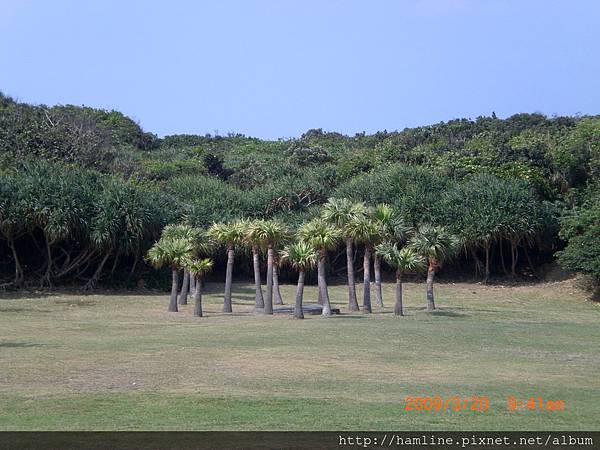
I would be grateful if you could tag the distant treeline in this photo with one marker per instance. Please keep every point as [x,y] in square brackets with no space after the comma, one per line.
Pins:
[85,192]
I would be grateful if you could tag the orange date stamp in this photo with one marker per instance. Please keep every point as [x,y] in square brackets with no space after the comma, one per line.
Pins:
[454,403]
[534,404]
[479,403]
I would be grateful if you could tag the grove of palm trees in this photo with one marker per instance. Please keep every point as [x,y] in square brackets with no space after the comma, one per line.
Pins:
[379,229]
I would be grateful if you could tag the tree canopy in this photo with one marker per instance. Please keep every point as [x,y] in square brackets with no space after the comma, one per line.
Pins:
[85,192]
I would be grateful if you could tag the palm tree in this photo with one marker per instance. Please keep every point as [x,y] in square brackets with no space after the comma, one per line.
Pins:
[197,269]
[278,299]
[404,260]
[365,231]
[229,234]
[172,252]
[341,212]
[270,233]
[301,256]
[185,288]
[182,231]
[391,228]
[323,237]
[252,241]
[192,285]
[437,245]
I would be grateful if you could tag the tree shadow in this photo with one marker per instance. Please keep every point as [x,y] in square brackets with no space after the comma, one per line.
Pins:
[23,310]
[438,311]
[447,313]
[18,345]
[460,308]
[21,295]
[222,314]
[348,316]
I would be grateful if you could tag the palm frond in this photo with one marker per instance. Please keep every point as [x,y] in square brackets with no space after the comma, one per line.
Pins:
[320,234]
[199,267]
[300,255]
[435,243]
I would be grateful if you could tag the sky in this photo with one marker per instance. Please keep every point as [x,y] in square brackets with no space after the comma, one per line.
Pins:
[276,68]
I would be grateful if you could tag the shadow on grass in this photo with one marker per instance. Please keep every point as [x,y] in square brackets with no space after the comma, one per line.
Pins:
[18,345]
[21,295]
[232,314]
[24,310]
[439,312]
[348,316]
[447,313]
[460,308]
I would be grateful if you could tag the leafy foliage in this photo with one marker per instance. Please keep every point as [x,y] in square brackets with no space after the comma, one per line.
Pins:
[80,187]
[581,229]
[199,267]
[434,243]
[404,260]
[319,234]
[172,252]
[300,255]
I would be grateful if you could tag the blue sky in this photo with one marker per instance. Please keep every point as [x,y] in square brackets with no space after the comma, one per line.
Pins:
[274,69]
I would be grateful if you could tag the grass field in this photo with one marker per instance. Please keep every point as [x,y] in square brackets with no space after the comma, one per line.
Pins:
[121,362]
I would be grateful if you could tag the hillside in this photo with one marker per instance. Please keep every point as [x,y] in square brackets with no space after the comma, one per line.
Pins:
[84,192]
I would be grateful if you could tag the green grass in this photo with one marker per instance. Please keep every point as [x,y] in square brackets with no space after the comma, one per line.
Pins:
[121,362]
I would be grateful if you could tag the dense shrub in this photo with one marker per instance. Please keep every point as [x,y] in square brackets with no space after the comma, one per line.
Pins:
[84,191]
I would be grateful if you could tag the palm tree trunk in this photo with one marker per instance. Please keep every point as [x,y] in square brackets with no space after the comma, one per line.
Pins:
[115,262]
[430,275]
[514,256]
[18,269]
[197,298]
[278,298]
[529,261]
[228,276]
[486,276]
[46,277]
[269,293]
[259,301]
[398,310]
[298,313]
[377,266]
[134,265]
[352,302]
[478,264]
[91,284]
[174,286]
[185,287]
[319,296]
[367,280]
[501,245]
[322,281]
[192,285]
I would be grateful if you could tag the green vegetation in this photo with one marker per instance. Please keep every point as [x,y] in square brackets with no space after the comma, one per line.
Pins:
[301,256]
[581,229]
[197,269]
[120,362]
[405,260]
[84,193]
